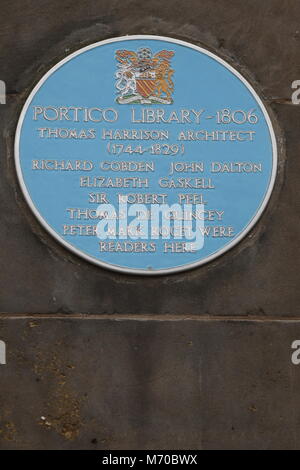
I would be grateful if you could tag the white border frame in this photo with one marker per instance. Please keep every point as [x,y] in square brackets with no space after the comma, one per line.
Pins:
[133,270]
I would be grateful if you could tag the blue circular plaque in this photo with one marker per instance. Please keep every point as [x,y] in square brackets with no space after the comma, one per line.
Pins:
[145,154]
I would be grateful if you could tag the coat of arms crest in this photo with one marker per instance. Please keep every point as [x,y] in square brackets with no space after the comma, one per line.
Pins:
[144,77]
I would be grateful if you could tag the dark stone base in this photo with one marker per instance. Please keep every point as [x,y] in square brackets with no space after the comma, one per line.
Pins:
[128,384]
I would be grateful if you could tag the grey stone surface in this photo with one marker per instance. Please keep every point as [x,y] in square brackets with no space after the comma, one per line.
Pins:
[127,384]
[204,359]
[256,277]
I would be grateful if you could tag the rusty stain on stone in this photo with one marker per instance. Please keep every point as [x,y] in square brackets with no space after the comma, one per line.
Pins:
[62,408]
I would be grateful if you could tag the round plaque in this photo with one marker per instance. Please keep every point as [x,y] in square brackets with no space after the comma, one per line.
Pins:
[145,154]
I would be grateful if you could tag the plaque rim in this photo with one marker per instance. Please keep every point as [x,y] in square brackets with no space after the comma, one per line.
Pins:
[138,271]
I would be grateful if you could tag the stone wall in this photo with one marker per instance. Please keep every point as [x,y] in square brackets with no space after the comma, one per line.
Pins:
[199,359]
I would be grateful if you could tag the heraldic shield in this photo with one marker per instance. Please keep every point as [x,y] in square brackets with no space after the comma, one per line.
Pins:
[142,77]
